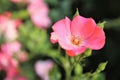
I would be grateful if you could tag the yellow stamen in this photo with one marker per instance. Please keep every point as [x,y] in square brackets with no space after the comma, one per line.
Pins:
[76,41]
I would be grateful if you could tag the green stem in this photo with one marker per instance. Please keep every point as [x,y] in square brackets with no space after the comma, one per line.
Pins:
[68,74]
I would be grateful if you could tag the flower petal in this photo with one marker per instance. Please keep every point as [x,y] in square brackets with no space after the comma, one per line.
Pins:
[96,40]
[82,27]
[53,37]
[75,52]
[62,33]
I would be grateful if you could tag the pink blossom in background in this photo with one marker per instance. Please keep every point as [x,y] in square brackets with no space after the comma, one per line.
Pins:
[6,61]
[8,26]
[77,35]
[11,73]
[11,48]
[14,49]
[38,11]
[9,65]
[42,68]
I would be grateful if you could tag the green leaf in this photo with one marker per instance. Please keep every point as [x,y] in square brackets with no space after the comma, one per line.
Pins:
[21,14]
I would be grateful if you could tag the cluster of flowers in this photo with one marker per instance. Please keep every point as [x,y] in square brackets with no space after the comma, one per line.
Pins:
[10,51]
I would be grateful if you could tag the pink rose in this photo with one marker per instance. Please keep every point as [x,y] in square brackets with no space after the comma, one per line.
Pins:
[77,35]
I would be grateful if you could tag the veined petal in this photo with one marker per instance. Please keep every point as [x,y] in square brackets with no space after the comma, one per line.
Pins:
[62,33]
[82,27]
[75,52]
[96,40]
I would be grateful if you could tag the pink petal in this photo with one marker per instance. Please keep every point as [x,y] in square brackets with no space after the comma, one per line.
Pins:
[62,33]
[96,40]
[75,52]
[82,27]
[53,37]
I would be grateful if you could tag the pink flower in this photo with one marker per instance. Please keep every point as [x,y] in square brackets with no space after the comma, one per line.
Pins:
[8,26]
[38,11]
[6,61]
[14,49]
[42,68]
[9,65]
[77,35]
[11,48]
[11,73]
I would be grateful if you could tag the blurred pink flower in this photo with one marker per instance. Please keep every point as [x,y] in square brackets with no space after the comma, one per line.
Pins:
[9,65]
[42,68]
[11,73]
[77,35]
[14,49]
[11,48]
[6,61]
[8,26]
[38,11]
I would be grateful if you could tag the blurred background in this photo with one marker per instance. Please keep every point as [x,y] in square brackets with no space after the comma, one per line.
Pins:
[99,10]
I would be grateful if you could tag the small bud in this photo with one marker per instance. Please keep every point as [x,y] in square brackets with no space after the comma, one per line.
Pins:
[102,24]
[88,52]
[102,66]
[78,69]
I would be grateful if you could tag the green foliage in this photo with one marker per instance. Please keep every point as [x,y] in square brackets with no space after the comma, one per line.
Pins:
[55,74]
[36,41]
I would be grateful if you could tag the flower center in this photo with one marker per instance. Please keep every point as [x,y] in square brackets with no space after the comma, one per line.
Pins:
[76,40]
